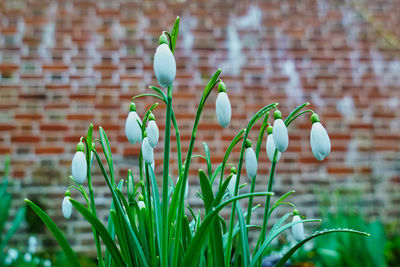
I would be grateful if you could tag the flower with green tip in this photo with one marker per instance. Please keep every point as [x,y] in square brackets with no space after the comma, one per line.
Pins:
[270,146]
[66,206]
[147,151]
[280,133]
[152,131]
[133,130]
[141,205]
[250,160]
[319,139]
[78,166]
[297,229]
[164,64]
[223,106]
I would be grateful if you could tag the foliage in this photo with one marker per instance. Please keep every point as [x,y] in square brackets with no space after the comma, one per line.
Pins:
[162,231]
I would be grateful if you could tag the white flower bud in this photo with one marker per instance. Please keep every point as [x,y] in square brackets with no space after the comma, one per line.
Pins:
[66,207]
[132,128]
[223,109]
[320,142]
[231,184]
[79,167]
[298,229]
[152,133]
[141,205]
[147,151]
[270,147]
[164,65]
[251,162]
[280,133]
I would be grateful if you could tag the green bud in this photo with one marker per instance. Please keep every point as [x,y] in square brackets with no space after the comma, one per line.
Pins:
[233,170]
[67,193]
[314,118]
[221,87]
[248,143]
[296,212]
[151,117]
[269,129]
[277,115]
[163,39]
[141,197]
[132,107]
[80,146]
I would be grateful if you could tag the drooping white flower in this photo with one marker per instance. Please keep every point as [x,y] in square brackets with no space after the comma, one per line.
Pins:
[147,151]
[231,184]
[66,208]
[251,162]
[280,134]
[12,253]
[319,140]
[78,165]
[152,133]
[270,147]
[133,130]
[298,229]
[164,65]
[141,205]
[223,107]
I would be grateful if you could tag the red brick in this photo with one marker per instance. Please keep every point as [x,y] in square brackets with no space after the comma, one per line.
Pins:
[53,127]
[25,139]
[49,150]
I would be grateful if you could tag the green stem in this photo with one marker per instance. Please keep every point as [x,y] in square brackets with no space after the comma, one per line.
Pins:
[253,181]
[178,142]
[150,219]
[165,178]
[92,203]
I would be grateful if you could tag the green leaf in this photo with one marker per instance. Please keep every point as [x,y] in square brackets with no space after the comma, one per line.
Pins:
[221,191]
[160,92]
[206,190]
[288,254]
[19,217]
[105,144]
[271,236]
[278,202]
[153,95]
[101,230]
[5,205]
[58,235]
[244,242]
[208,158]
[197,243]
[174,34]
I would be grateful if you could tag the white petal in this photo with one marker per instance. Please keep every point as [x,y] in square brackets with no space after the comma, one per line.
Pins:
[319,140]
[66,208]
[231,184]
[251,162]
[223,109]
[298,229]
[164,65]
[79,167]
[270,146]
[132,128]
[147,151]
[141,205]
[152,133]
[280,133]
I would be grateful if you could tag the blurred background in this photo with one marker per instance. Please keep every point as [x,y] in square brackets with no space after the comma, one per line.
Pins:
[64,64]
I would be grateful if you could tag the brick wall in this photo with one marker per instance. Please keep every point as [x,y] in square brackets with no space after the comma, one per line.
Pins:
[64,64]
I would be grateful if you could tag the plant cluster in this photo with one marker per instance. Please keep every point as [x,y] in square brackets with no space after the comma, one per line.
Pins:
[146,230]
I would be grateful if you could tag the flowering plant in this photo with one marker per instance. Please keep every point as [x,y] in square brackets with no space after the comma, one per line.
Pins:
[146,230]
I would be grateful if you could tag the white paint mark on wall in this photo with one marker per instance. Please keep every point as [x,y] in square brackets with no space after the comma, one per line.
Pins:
[293,88]
[346,106]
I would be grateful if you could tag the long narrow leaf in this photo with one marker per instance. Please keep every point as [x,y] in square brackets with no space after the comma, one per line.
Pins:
[101,229]
[288,254]
[58,235]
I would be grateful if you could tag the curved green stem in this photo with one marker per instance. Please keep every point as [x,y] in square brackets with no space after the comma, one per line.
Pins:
[257,116]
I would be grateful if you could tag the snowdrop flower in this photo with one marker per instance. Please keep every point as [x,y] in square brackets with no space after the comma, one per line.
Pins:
[152,131]
[319,139]
[12,253]
[147,151]
[133,130]
[141,205]
[164,63]
[27,257]
[223,106]
[66,206]
[297,229]
[232,182]
[78,166]
[280,132]
[251,160]
[47,263]
[270,146]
